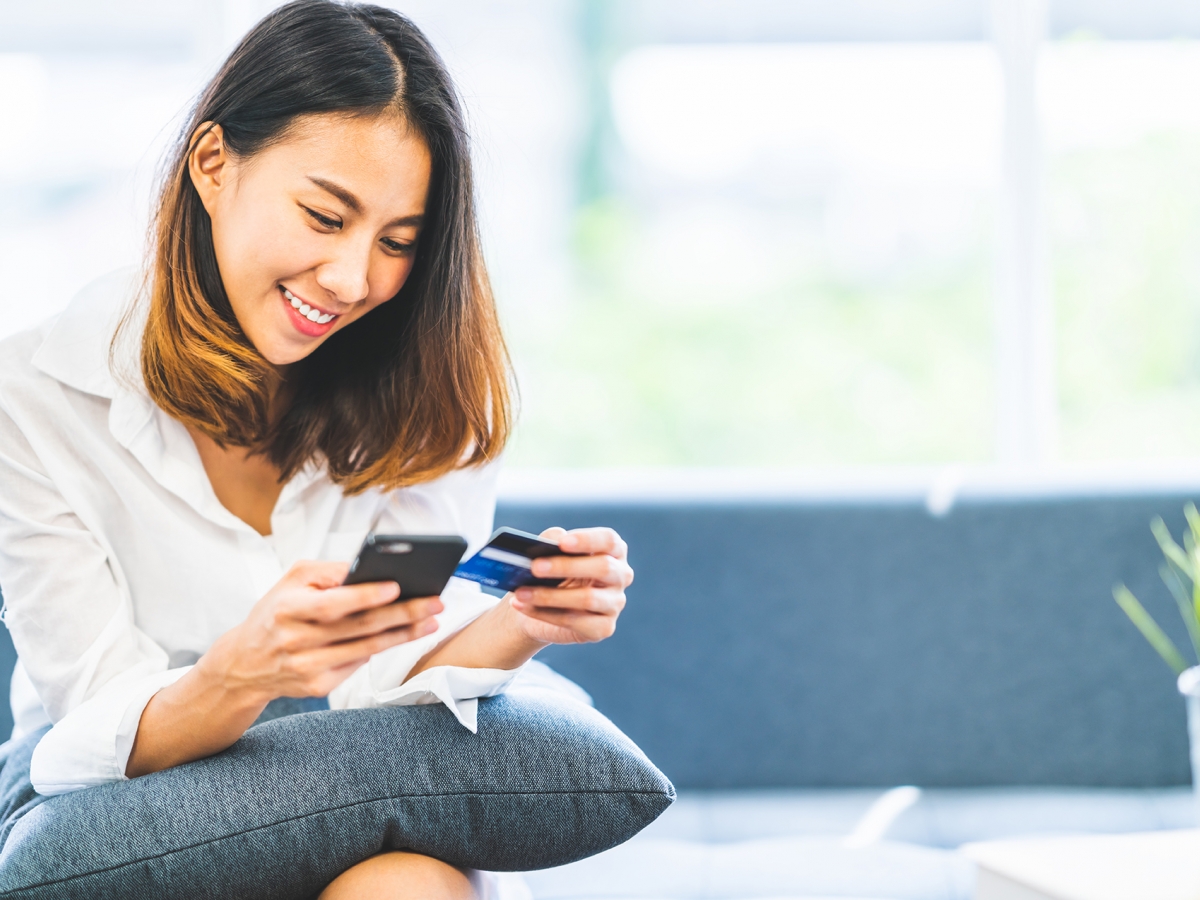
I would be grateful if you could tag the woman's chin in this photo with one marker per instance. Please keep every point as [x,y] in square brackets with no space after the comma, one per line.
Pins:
[284,343]
[282,353]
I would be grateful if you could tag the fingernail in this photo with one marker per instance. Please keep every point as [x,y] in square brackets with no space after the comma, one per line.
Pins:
[524,594]
[541,567]
[568,542]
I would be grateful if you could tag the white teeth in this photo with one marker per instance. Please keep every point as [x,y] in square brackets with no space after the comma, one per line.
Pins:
[309,312]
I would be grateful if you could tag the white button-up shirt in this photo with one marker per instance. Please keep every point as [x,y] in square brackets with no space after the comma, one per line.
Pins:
[120,567]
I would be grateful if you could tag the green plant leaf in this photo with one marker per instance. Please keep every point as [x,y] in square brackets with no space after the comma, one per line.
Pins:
[1193,519]
[1195,596]
[1172,550]
[1192,544]
[1149,628]
[1175,585]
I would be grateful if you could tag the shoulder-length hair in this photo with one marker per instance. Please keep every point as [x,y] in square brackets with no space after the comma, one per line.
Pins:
[414,389]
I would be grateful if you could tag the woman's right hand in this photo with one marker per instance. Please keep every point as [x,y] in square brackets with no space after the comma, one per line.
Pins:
[310,632]
[302,639]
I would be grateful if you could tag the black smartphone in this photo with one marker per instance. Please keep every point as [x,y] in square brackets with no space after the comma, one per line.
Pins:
[420,563]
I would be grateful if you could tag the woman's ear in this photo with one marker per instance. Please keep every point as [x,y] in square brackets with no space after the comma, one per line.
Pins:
[208,163]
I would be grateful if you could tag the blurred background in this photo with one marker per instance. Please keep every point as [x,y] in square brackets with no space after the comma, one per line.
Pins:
[737,233]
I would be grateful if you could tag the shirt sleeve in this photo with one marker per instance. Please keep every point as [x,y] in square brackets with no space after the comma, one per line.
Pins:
[71,619]
[463,502]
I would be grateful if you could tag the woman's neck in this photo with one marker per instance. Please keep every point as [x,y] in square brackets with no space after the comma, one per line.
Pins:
[244,479]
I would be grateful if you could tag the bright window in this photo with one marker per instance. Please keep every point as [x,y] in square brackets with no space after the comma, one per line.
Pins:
[792,267]
[1123,130]
[731,234]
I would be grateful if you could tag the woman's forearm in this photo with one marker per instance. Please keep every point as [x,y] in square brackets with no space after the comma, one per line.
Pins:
[202,713]
[492,641]
[195,717]
[302,639]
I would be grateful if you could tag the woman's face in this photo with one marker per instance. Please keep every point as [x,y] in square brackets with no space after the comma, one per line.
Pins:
[316,230]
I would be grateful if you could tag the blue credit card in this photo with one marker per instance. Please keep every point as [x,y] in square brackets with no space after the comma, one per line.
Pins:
[504,562]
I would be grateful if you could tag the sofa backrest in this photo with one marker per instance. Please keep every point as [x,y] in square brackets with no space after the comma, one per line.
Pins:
[834,643]
[828,642]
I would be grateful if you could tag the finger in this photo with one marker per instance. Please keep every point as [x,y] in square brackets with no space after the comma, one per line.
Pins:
[340,673]
[333,656]
[335,603]
[553,534]
[318,573]
[380,619]
[601,568]
[594,540]
[314,671]
[582,599]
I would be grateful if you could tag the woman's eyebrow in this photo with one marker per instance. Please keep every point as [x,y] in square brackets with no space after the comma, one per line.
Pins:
[338,191]
[351,201]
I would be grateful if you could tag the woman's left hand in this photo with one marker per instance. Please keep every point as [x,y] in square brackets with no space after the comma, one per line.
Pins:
[585,607]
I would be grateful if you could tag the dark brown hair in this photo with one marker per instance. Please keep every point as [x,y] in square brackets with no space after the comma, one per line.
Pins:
[414,389]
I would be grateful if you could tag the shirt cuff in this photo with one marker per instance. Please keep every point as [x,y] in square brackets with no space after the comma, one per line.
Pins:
[91,744]
[385,681]
[456,686]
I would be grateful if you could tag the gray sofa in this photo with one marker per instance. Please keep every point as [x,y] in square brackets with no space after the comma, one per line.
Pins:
[786,660]
[845,643]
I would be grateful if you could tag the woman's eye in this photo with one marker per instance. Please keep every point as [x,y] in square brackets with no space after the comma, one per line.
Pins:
[398,246]
[323,221]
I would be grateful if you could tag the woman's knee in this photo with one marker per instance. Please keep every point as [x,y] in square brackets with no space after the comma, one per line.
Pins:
[400,876]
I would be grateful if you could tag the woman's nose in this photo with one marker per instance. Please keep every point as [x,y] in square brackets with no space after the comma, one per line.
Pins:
[345,275]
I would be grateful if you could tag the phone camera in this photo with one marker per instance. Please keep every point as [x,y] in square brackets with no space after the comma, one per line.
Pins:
[396,547]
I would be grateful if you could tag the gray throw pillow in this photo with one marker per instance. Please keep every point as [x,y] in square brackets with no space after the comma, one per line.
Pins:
[299,799]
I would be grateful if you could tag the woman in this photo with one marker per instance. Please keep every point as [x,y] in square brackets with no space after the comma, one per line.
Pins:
[313,353]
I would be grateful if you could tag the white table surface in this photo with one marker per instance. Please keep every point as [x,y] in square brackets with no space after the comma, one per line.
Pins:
[1154,865]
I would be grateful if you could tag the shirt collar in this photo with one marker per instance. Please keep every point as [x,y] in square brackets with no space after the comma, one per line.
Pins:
[76,349]
[75,352]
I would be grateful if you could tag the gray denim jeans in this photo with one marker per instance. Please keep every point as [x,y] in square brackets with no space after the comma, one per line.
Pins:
[302,797]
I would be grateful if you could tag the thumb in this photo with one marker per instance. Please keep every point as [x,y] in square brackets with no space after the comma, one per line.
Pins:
[554,534]
[319,573]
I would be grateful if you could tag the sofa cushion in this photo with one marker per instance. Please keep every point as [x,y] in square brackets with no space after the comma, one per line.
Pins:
[776,868]
[797,845]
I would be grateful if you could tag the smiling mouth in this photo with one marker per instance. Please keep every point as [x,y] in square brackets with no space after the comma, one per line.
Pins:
[314,315]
